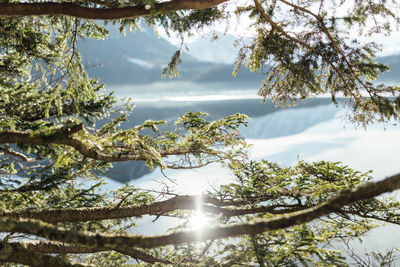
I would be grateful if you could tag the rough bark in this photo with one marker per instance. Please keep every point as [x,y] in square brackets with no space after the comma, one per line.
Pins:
[62,248]
[64,136]
[156,208]
[19,253]
[74,10]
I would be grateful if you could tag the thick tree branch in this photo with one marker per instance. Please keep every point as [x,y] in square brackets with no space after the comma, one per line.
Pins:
[63,136]
[63,248]
[19,253]
[73,10]
[161,207]
[51,232]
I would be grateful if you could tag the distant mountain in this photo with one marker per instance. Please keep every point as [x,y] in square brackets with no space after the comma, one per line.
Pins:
[140,57]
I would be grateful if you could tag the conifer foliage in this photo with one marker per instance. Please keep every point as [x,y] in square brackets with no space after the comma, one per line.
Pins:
[53,152]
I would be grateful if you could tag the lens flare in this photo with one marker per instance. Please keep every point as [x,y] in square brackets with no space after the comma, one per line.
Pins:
[198,221]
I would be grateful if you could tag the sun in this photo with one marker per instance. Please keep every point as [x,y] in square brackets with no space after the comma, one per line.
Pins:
[199,220]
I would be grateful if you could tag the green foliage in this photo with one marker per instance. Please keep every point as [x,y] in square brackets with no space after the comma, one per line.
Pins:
[322,58]
[287,189]
[172,68]
[50,110]
[283,190]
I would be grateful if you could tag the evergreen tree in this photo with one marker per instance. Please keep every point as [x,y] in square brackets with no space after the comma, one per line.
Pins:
[52,154]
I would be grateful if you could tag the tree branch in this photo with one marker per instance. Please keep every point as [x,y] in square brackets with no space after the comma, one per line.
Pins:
[172,204]
[16,154]
[19,253]
[63,248]
[87,239]
[63,136]
[73,10]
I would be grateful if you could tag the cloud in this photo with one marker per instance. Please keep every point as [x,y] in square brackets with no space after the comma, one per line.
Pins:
[140,62]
